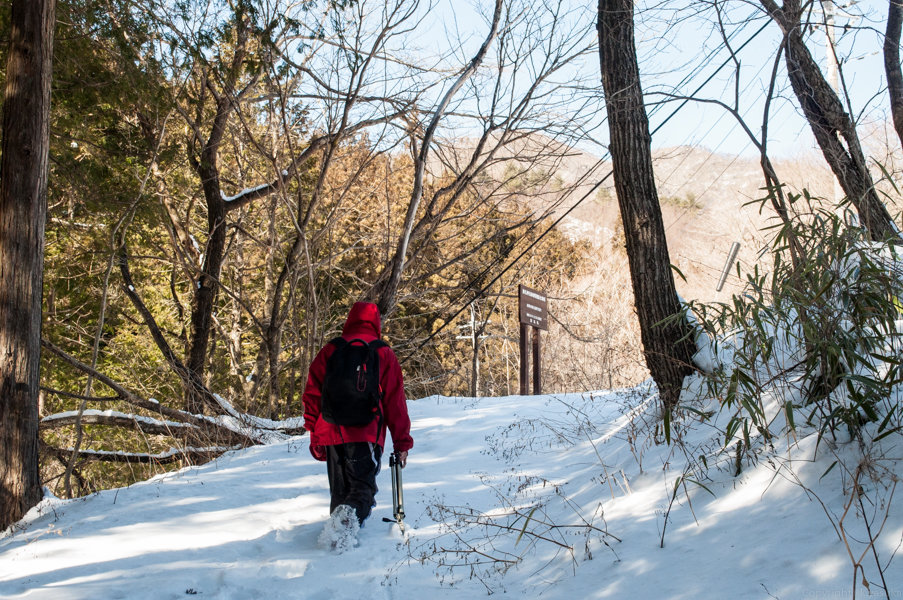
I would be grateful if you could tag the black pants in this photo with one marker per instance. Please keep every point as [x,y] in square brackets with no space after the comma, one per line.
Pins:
[352,470]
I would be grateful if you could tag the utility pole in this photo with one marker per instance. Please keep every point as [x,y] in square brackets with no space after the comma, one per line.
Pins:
[833,71]
[475,341]
[830,54]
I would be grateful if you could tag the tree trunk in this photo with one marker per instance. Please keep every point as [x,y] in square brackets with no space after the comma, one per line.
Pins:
[23,211]
[208,280]
[892,63]
[833,128]
[668,348]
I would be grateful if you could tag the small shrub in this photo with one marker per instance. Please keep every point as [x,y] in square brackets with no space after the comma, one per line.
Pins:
[823,325]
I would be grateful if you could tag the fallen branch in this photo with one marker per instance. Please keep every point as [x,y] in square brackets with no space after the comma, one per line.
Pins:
[118,419]
[212,428]
[232,427]
[190,454]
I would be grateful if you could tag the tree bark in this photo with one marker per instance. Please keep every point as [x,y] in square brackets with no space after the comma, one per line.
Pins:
[667,347]
[892,63]
[23,212]
[833,128]
[208,280]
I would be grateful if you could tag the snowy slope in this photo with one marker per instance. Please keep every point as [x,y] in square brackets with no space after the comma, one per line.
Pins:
[583,472]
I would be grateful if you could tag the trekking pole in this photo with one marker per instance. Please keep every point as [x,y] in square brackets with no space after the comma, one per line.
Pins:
[397,493]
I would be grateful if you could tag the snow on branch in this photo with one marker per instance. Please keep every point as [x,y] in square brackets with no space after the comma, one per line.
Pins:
[253,192]
[170,456]
[119,419]
[265,430]
[242,428]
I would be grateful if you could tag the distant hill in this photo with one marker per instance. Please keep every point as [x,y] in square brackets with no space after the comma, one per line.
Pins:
[708,202]
[708,199]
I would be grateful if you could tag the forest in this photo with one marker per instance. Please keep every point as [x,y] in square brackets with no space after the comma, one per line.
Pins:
[224,179]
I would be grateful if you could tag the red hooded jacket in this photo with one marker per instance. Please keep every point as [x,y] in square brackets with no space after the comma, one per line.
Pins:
[363,323]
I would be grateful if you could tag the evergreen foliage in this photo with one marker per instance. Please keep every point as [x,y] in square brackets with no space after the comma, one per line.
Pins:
[138,92]
[826,328]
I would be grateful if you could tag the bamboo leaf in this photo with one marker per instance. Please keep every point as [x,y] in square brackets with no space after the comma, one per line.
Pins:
[526,522]
[788,410]
[702,486]
[833,464]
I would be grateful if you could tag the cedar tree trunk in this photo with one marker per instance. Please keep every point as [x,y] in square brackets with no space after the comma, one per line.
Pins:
[23,211]
[892,63]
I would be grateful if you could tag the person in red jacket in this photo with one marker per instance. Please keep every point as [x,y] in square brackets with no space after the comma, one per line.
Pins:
[353,454]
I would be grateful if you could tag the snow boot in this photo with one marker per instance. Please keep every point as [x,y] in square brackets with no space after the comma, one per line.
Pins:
[340,532]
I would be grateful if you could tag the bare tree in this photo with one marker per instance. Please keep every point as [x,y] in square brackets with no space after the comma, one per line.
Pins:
[23,211]
[522,118]
[221,99]
[389,290]
[667,342]
[776,195]
[831,124]
[892,62]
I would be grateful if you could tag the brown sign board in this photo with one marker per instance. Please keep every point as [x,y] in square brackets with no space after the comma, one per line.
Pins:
[534,307]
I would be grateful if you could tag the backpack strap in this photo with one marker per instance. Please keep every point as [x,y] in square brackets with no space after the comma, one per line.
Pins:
[376,345]
[338,342]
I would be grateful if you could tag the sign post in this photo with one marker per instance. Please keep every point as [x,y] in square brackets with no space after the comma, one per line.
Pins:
[537,363]
[534,314]
[524,359]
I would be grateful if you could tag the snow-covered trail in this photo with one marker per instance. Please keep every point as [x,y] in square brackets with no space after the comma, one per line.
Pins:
[243,526]
[246,525]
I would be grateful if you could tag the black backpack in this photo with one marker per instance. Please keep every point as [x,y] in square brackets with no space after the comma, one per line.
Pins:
[351,394]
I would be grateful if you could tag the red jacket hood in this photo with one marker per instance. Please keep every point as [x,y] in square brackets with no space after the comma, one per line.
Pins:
[363,322]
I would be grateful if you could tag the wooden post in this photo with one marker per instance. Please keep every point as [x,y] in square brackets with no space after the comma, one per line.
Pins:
[533,314]
[537,363]
[524,360]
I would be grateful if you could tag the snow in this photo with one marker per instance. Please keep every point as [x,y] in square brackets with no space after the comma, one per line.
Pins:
[245,192]
[341,530]
[556,496]
[113,413]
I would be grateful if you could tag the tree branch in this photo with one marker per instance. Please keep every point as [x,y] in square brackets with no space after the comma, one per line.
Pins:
[118,419]
[190,454]
[386,300]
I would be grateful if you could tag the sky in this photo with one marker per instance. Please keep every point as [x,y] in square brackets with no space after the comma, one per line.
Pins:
[679,50]
[859,44]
